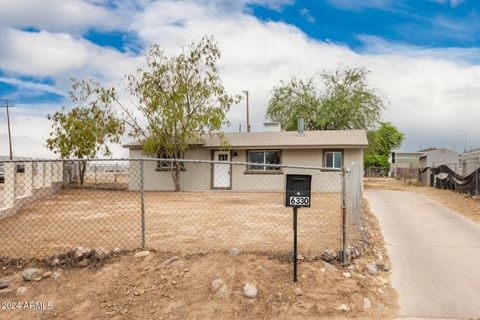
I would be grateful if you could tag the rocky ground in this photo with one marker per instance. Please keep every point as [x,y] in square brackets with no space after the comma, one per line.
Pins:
[98,284]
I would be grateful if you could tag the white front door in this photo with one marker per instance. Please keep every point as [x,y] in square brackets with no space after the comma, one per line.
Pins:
[221,172]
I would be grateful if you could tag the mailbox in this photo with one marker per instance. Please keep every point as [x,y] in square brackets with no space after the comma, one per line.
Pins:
[298,190]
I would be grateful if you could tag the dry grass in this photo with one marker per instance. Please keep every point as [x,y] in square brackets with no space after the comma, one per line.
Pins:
[465,205]
[182,222]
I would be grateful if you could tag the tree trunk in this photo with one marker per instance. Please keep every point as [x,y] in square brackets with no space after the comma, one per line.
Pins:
[82,168]
[176,175]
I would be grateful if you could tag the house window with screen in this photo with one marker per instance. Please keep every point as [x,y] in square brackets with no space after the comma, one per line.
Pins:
[333,159]
[167,165]
[264,158]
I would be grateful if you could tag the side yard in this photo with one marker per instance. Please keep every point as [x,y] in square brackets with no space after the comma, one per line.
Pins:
[465,205]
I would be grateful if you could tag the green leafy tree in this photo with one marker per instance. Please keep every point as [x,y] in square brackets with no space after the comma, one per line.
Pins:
[292,99]
[85,130]
[181,98]
[346,102]
[381,142]
[349,102]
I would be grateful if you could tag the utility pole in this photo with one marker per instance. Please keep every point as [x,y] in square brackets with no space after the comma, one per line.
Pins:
[6,106]
[248,111]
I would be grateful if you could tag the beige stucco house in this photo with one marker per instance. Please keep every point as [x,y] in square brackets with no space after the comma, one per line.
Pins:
[330,149]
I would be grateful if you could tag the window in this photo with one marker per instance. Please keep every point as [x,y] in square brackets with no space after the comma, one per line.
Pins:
[223,157]
[333,159]
[264,157]
[168,165]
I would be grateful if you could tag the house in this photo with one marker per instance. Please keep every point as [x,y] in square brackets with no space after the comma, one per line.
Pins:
[330,149]
[434,157]
[404,159]
[469,161]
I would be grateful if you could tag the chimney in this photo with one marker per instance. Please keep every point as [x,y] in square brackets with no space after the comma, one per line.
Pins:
[300,126]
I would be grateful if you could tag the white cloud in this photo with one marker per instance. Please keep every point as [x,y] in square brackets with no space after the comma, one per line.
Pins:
[433,92]
[56,15]
[453,3]
[60,55]
[304,12]
[365,4]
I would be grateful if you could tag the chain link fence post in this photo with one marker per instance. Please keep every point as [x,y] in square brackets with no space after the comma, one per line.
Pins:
[344,218]
[142,201]
[476,179]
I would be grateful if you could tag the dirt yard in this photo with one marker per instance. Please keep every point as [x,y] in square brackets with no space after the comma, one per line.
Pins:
[467,206]
[184,222]
[128,287]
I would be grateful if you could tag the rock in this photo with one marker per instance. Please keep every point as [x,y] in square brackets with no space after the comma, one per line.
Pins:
[233,252]
[218,286]
[297,291]
[169,261]
[83,263]
[380,290]
[117,250]
[55,262]
[278,296]
[323,269]
[55,275]
[5,291]
[21,290]
[372,269]
[142,254]
[347,274]
[31,274]
[81,252]
[4,284]
[343,307]
[250,290]
[100,253]
[329,267]
[383,266]
[367,304]
[46,274]
[328,255]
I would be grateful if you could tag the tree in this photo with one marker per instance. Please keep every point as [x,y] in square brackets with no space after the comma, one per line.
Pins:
[84,131]
[293,99]
[346,102]
[182,98]
[381,142]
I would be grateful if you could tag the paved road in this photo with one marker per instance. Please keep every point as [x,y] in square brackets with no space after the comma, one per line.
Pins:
[435,254]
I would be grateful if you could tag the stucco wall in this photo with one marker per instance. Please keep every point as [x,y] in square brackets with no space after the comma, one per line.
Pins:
[441,156]
[195,176]
[198,176]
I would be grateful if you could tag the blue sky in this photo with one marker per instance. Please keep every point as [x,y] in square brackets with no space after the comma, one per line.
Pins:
[424,55]
[420,22]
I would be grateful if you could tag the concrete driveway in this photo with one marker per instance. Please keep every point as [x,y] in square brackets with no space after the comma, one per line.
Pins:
[435,254]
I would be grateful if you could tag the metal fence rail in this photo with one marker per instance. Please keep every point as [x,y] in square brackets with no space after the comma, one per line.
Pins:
[51,206]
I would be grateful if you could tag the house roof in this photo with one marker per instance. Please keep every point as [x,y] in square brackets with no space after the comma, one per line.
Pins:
[285,139]
[470,152]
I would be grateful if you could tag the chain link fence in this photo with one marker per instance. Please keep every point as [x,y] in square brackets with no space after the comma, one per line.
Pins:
[49,207]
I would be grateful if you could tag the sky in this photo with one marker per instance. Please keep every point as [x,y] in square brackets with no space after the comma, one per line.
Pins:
[423,56]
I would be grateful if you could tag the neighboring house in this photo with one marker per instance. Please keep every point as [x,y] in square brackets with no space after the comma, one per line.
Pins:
[330,149]
[470,161]
[404,159]
[434,157]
